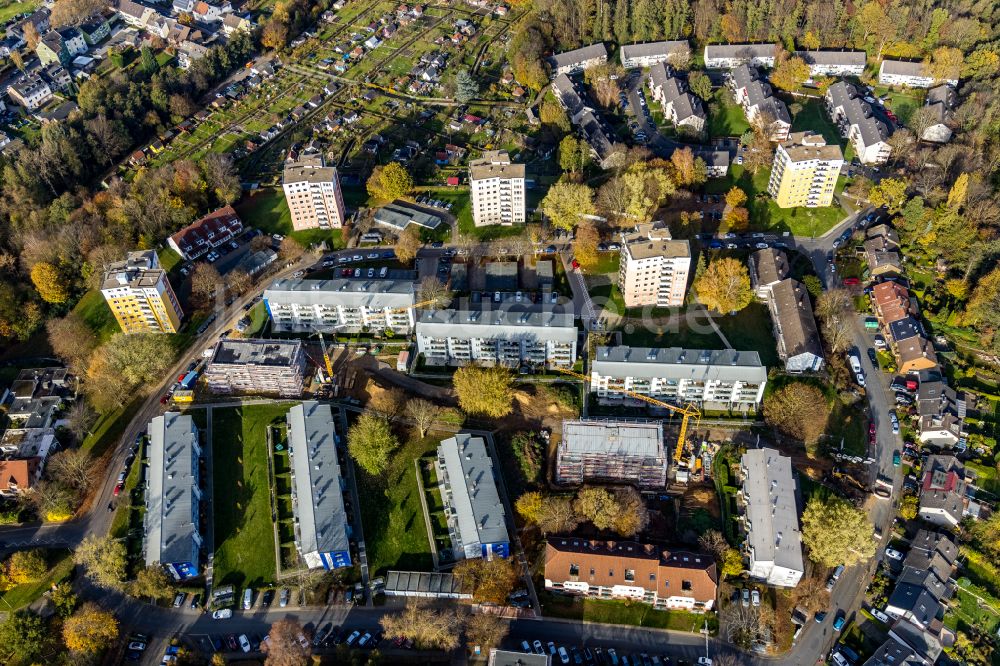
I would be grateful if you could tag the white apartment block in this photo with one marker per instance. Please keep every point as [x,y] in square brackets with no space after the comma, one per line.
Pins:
[857,122]
[805,171]
[771,518]
[834,63]
[340,305]
[312,190]
[727,56]
[578,60]
[676,52]
[709,378]
[491,337]
[910,74]
[654,268]
[497,190]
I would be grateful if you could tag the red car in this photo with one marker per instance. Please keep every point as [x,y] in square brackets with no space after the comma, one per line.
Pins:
[576,265]
[118,488]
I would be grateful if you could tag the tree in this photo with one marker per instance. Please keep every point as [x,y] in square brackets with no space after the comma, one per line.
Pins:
[433,293]
[205,284]
[387,402]
[26,566]
[90,629]
[689,171]
[835,309]
[700,84]
[423,412]
[890,193]
[222,177]
[813,285]
[104,560]
[811,594]
[566,202]
[491,581]
[407,244]
[290,249]
[835,532]
[736,218]
[946,63]
[735,197]
[71,339]
[530,506]
[620,510]
[799,410]
[427,627]
[370,441]
[596,504]
[275,34]
[238,282]
[744,624]
[124,363]
[714,543]
[389,182]
[725,286]
[283,648]
[574,154]
[484,391]
[732,563]
[466,87]
[72,467]
[632,515]
[50,284]
[790,73]
[908,507]
[487,630]
[586,242]
[63,598]
[759,153]
[24,638]
[53,501]
[152,583]
[551,514]
[74,12]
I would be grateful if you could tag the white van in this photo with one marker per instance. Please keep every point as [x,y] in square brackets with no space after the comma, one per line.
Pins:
[247,598]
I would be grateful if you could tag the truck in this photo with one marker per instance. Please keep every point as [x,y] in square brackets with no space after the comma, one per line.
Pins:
[187,381]
[859,375]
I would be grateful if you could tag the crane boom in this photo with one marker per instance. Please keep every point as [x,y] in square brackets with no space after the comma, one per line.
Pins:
[686,412]
[326,357]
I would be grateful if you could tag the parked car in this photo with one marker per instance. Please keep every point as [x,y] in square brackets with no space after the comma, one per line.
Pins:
[137,645]
[896,458]
[244,643]
[247,598]
[179,599]
[283,597]
[746,597]
[893,554]
[222,614]
[755,598]
[839,621]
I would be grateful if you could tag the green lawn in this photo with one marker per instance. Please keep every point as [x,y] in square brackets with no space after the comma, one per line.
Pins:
[9,10]
[395,535]
[60,566]
[635,614]
[608,296]
[813,117]
[691,332]
[97,315]
[461,208]
[725,117]
[750,329]
[267,210]
[766,215]
[169,259]
[244,541]
[975,609]
[607,262]
[109,429]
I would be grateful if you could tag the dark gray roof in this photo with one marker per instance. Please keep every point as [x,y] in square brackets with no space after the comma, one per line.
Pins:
[794,311]
[257,352]
[858,112]
[769,266]
[902,329]
[545,325]
[855,58]
[740,51]
[696,364]
[916,600]
[580,55]
[667,48]
[172,493]
[891,653]
[760,93]
[479,513]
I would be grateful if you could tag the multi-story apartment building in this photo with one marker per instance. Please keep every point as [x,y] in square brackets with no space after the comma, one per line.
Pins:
[616,451]
[312,190]
[654,268]
[477,523]
[727,56]
[215,229]
[322,532]
[340,305]
[711,378]
[31,92]
[771,518]
[665,579]
[857,122]
[759,104]
[676,52]
[173,495]
[497,188]
[680,105]
[578,60]
[910,74]
[140,296]
[273,367]
[504,337]
[805,171]
[834,63]
[795,329]
[588,122]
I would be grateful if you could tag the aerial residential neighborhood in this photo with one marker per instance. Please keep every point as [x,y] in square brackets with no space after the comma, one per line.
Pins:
[499,333]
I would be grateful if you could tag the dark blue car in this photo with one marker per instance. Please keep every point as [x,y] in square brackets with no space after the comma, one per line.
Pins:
[715,245]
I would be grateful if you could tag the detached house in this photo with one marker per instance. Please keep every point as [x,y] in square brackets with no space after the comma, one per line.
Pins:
[664,579]
[943,491]
[882,252]
[31,92]
[232,24]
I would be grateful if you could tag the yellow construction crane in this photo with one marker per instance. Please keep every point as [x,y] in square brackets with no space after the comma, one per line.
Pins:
[686,412]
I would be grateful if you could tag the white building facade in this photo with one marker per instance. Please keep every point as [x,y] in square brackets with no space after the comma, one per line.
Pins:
[313,192]
[341,305]
[654,268]
[497,188]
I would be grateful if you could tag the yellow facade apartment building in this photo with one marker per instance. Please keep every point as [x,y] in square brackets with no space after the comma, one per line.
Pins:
[140,296]
[805,171]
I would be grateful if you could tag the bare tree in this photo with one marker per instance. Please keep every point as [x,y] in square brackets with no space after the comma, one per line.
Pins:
[291,249]
[713,542]
[835,309]
[72,467]
[745,624]
[205,282]
[79,419]
[239,282]
[429,628]
[423,412]
[387,402]
[434,294]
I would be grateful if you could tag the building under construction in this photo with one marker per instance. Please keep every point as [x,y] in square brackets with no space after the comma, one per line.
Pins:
[616,451]
[270,367]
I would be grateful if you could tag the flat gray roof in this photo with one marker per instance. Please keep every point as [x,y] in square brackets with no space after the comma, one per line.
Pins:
[739,51]
[666,48]
[852,58]
[423,583]
[614,438]
[769,489]
[543,324]
[172,495]
[474,494]
[399,215]
[319,504]
[374,294]
[256,352]
[675,362]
